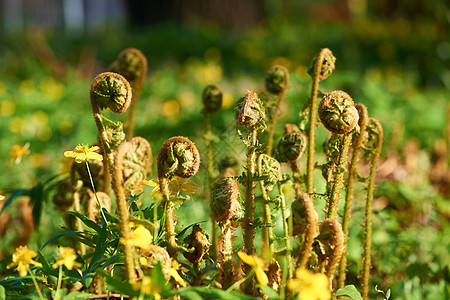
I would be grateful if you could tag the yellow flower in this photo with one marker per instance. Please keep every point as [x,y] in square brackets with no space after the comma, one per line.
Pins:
[139,237]
[18,152]
[253,260]
[309,285]
[147,286]
[2,197]
[83,152]
[23,258]
[67,257]
[173,271]
[176,185]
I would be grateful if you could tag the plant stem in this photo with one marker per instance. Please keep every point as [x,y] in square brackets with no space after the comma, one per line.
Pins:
[349,193]
[267,238]
[240,281]
[296,177]
[249,215]
[227,253]
[131,117]
[108,158]
[312,122]
[36,285]
[95,193]
[169,224]
[310,230]
[273,126]
[79,226]
[122,210]
[58,284]
[287,232]
[210,171]
[338,176]
[368,213]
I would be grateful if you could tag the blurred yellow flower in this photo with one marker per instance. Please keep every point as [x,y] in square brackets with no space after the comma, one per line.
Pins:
[52,88]
[39,118]
[170,109]
[187,99]
[227,100]
[2,197]
[148,287]
[176,185]
[18,152]
[23,258]
[7,108]
[253,260]
[83,152]
[139,237]
[16,125]
[67,257]
[210,72]
[309,285]
[27,86]
[173,271]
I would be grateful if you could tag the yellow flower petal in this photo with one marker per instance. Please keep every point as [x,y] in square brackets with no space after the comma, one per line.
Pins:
[143,261]
[83,152]
[67,257]
[95,156]
[80,157]
[153,182]
[23,258]
[248,259]
[261,276]
[189,187]
[310,285]
[18,152]
[156,295]
[177,277]
[69,154]
[140,237]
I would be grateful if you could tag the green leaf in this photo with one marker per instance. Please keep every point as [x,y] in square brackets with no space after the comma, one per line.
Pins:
[55,237]
[77,295]
[48,270]
[14,195]
[349,292]
[157,275]
[59,294]
[118,285]
[2,292]
[86,220]
[210,293]
[101,244]
[187,294]
[269,292]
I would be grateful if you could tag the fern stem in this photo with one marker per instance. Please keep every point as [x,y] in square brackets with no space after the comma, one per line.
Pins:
[368,212]
[362,110]
[338,177]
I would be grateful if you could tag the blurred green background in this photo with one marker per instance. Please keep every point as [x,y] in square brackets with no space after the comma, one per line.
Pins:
[393,56]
